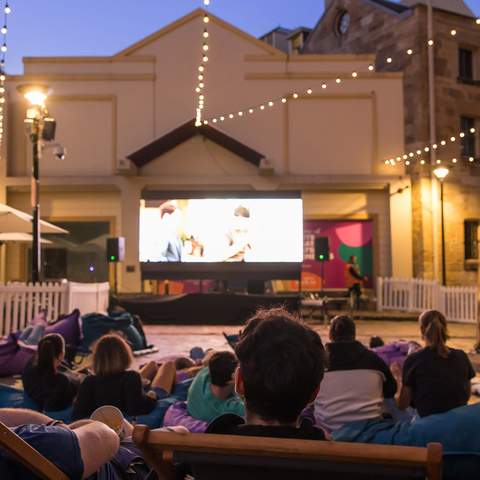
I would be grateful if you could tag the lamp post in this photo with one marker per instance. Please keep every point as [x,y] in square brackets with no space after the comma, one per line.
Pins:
[441,173]
[40,127]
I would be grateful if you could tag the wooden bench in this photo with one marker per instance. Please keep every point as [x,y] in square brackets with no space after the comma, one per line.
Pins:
[238,457]
[28,456]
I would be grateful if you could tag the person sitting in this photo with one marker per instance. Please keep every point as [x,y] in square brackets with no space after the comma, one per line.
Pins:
[114,384]
[212,391]
[357,380]
[52,389]
[281,365]
[36,330]
[437,378]
[78,450]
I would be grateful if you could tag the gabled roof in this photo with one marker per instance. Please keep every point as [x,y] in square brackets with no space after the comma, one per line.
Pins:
[199,12]
[185,132]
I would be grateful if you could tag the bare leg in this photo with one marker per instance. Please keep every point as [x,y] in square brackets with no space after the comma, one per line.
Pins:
[149,370]
[98,444]
[165,377]
[12,417]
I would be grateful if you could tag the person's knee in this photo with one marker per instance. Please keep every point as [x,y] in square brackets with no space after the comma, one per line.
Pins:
[98,444]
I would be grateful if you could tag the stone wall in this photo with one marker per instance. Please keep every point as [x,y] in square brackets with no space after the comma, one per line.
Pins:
[375,29]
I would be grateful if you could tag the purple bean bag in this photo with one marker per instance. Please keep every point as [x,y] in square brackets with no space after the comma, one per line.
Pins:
[177,415]
[396,352]
[13,357]
[68,326]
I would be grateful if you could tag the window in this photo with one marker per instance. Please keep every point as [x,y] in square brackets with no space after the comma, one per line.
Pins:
[469,147]
[465,64]
[342,23]
[471,239]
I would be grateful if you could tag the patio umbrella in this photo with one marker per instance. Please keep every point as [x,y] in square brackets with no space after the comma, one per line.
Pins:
[13,220]
[19,237]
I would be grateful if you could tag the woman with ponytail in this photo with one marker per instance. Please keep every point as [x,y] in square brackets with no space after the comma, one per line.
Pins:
[50,388]
[437,378]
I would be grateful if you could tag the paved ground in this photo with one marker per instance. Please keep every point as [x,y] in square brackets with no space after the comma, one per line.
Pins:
[172,339]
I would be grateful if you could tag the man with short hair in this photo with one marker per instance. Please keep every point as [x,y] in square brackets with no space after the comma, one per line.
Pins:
[357,380]
[281,365]
[211,393]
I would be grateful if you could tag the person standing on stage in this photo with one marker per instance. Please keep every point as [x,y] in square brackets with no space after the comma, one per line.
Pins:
[354,281]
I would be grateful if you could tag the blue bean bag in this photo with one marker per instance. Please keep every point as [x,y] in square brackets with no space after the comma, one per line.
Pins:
[95,325]
[457,431]
[155,418]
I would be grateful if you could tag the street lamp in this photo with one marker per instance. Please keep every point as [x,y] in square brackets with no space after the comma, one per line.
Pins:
[40,127]
[441,173]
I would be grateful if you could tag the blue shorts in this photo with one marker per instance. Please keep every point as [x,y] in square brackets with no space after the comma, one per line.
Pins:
[161,393]
[46,440]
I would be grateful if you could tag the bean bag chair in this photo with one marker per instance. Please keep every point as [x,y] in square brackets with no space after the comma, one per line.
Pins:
[95,325]
[396,352]
[11,397]
[14,357]
[155,418]
[457,430]
[69,327]
[177,415]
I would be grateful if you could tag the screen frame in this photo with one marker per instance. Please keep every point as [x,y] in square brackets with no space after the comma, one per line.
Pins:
[221,270]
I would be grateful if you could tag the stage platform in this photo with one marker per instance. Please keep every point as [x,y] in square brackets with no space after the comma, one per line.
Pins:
[203,308]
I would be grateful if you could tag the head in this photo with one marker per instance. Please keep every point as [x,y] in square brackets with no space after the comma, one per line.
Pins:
[111,355]
[352,259]
[222,366]
[342,329]
[50,353]
[376,342]
[281,365]
[241,217]
[433,326]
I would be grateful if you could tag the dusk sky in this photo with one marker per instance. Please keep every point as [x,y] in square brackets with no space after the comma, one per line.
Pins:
[103,27]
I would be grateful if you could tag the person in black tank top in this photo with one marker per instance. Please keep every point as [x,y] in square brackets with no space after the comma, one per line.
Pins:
[44,381]
[437,378]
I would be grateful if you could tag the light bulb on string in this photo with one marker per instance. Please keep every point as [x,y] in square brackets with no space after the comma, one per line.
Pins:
[309,91]
[206,34]
[7,9]
[338,80]
[354,74]
[206,19]
[4,30]
[409,51]
[454,160]
[471,159]
[371,68]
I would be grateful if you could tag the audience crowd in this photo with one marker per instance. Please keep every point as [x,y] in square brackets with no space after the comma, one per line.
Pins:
[280,381]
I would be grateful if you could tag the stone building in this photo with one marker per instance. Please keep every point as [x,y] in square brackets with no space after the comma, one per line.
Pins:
[126,122]
[399,35]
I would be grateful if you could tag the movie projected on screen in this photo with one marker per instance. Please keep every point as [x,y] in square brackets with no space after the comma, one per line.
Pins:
[221,230]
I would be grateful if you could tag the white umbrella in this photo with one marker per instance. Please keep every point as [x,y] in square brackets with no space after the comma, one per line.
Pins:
[13,220]
[19,237]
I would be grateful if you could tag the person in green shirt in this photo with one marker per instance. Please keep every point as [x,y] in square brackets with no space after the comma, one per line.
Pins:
[212,391]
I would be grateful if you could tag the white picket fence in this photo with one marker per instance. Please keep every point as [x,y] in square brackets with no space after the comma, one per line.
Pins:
[20,302]
[459,304]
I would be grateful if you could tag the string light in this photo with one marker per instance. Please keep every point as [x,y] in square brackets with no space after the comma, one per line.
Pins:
[4,30]
[200,88]
[435,147]
[261,107]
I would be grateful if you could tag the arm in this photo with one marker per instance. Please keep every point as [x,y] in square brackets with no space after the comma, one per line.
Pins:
[62,394]
[404,398]
[83,408]
[13,417]
[138,403]
[390,384]
[355,274]
[98,444]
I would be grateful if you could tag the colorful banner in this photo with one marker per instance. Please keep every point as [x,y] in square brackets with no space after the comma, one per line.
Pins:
[346,238]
